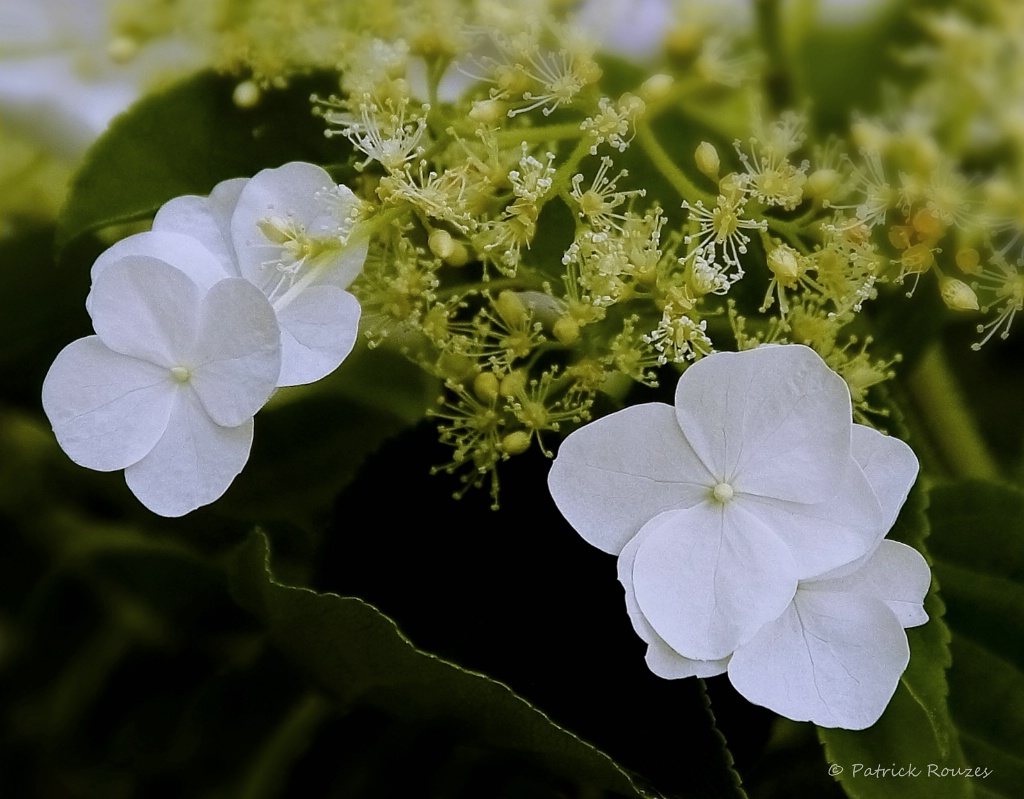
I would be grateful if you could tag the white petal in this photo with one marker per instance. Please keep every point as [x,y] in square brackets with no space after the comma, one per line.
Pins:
[829,534]
[895,573]
[773,421]
[183,252]
[662,659]
[147,309]
[707,578]
[890,466]
[193,463]
[615,474]
[107,410]
[206,219]
[834,659]
[307,195]
[238,352]
[318,331]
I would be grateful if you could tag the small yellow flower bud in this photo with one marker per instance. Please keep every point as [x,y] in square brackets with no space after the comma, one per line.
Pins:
[822,184]
[516,443]
[927,223]
[657,87]
[969,260]
[707,160]
[784,262]
[917,259]
[731,187]
[512,384]
[512,309]
[459,256]
[957,295]
[487,112]
[567,330]
[485,386]
[900,236]
[441,243]
[122,49]
[246,94]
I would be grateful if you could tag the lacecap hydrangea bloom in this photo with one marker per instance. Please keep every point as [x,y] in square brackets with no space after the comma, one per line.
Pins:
[292,231]
[749,523]
[168,387]
[198,321]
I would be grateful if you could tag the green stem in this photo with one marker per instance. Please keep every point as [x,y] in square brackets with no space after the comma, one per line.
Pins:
[284,747]
[777,78]
[663,161]
[567,130]
[947,419]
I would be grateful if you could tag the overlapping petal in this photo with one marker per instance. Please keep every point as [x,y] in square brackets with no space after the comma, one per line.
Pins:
[206,219]
[107,409]
[237,356]
[147,309]
[831,658]
[707,578]
[774,421]
[614,475]
[662,659]
[318,330]
[193,462]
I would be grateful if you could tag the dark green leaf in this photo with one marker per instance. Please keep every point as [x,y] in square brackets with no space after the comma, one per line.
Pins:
[186,140]
[359,655]
[978,544]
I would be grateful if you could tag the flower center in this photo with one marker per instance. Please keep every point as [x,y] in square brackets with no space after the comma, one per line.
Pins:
[722,492]
[181,374]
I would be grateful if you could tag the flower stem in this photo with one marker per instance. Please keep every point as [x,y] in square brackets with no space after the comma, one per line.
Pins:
[663,161]
[947,419]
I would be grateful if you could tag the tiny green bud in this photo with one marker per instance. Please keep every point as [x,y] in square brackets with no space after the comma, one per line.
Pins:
[707,160]
[784,262]
[957,295]
[441,243]
[969,260]
[512,309]
[822,184]
[246,94]
[917,259]
[567,330]
[513,383]
[485,386]
[657,87]
[516,443]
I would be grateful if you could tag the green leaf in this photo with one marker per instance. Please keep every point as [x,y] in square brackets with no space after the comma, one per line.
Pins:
[186,140]
[360,656]
[978,544]
[916,729]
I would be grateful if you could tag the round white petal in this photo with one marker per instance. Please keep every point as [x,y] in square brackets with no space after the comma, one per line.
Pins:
[890,466]
[833,659]
[662,659]
[318,330]
[237,358]
[193,463]
[181,251]
[206,219]
[295,192]
[895,573]
[773,421]
[828,534]
[708,577]
[147,309]
[108,410]
[615,474]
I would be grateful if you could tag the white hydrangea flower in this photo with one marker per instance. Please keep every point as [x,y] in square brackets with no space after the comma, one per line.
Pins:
[168,387]
[842,629]
[292,232]
[755,470]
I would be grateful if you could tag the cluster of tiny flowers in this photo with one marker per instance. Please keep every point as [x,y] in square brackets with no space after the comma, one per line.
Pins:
[198,322]
[749,522]
[516,247]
